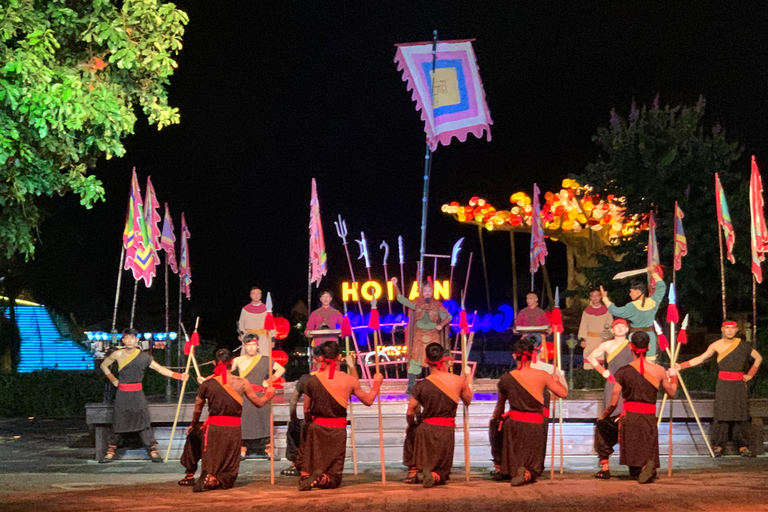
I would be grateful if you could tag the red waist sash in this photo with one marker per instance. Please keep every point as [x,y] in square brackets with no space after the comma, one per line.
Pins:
[724,376]
[443,422]
[331,422]
[129,387]
[223,421]
[640,407]
[545,412]
[527,417]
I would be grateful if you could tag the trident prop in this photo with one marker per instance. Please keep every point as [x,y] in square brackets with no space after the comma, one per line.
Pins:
[341,231]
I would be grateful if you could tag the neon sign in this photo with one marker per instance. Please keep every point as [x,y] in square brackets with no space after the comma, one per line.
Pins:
[370,290]
[498,322]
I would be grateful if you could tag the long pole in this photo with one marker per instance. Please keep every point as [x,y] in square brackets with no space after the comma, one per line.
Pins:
[271,419]
[168,392]
[181,396]
[559,357]
[427,166]
[466,407]
[754,312]
[351,371]
[117,289]
[464,291]
[722,268]
[514,271]
[378,403]
[180,350]
[672,361]
[133,304]
[309,306]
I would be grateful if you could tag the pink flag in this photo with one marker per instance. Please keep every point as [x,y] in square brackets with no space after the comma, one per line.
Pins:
[168,241]
[133,222]
[654,262]
[538,244]
[185,270]
[318,259]
[757,222]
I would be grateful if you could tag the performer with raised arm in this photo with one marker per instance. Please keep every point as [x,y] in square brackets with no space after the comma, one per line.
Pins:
[430,437]
[221,431]
[641,311]
[326,396]
[638,384]
[616,355]
[131,413]
[254,367]
[731,414]
[427,319]
[324,318]
[593,321]
[523,446]
[252,318]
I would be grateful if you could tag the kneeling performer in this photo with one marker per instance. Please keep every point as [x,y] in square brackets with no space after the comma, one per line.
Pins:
[326,395]
[429,439]
[523,446]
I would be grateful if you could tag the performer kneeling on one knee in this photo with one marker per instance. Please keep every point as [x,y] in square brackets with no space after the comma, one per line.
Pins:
[326,395]
[131,411]
[523,448]
[221,431]
[638,384]
[429,439]
[731,393]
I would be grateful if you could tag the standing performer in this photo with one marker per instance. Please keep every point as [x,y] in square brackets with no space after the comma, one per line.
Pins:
[534,316]
[523,445]
[427,319]
[324,317]
[131,413]
[430,438]
[638,384]
[593,321]
[731,419]
[221,441]
[617,355]
[641,312]
[252,318]
[326,396]
[254,368]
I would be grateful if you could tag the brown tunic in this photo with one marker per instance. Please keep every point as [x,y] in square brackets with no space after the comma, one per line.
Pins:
[638,435]
[430,447]
[732,396]
[523,443]
[131,411]
[324,448]
[256,419]
[221,453]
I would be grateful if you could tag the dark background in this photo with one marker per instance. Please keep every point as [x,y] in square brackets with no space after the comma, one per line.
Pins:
[273,95]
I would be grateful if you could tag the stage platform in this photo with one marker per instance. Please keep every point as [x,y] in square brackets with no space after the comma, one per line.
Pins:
[579,412]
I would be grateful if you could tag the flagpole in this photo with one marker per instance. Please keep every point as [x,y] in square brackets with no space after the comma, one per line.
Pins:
[309,304]
[180,357]
[485,267]
[133,303]
[754,312]
[117,290]
[427,165]
[722,267]
[168,392]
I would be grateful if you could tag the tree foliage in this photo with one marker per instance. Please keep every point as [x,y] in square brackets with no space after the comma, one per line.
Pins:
[74,75]
[654,157]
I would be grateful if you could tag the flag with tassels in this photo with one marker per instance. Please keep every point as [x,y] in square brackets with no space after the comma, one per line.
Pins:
[654,262]
[318,258]
[757,229]
[185,272]
[168,241]
[681,242]
[724,219]
[147,259]
[538,243]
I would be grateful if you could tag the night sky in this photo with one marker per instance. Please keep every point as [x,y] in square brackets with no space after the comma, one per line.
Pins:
[273,96]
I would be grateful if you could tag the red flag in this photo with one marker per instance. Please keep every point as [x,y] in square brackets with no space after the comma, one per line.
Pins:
[724,218]
[654,262]
[538,245]
[185,272]
[318,258]
[757,229]
[681,242]
[373,322]
[168,241]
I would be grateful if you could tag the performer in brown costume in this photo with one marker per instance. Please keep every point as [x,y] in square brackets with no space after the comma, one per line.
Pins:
[131,413]
[326,395]
[523,447]
[638,384]
[731,394]
[221,431]
[430,437]
[427,319]
[617,355]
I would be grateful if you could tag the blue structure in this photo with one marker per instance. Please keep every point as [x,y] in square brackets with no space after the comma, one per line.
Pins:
[43,346]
